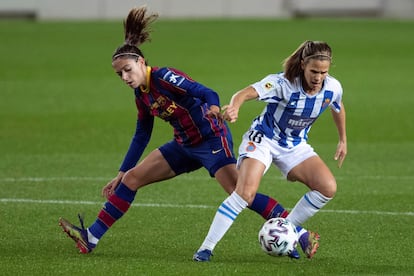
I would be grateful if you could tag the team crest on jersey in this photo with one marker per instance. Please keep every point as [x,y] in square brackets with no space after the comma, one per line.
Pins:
[250,147]
[326,102]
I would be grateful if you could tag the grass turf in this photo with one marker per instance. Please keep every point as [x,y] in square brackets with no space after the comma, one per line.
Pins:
[66,120]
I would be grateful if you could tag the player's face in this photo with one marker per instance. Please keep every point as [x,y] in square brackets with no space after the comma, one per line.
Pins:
[315,72]
[131,71]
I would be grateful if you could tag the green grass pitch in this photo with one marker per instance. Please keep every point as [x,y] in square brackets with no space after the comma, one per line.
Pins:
[66,121]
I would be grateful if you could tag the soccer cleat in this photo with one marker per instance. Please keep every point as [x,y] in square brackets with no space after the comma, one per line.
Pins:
[294,254]
[309,243]
[79,235]
[203,255]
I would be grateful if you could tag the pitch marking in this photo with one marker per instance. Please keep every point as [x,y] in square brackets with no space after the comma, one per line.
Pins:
[192,206]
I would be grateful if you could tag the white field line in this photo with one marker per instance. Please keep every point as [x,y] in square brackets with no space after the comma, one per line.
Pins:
[53,179]
[191,206]
[82,202]
[184,176]
[192,177]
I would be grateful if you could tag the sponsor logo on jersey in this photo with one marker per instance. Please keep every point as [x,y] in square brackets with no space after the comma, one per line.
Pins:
[298,123]
[268,85]
[160,105]
[216,151]
[293,104]
[173,78]
[280,81]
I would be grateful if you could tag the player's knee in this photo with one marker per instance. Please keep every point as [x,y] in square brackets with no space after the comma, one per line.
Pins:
[329,188]
[131,180]
[248,196]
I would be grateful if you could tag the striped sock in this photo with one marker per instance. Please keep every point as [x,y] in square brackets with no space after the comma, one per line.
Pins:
[224,218]
[268,207]
[307,206]
[116,206]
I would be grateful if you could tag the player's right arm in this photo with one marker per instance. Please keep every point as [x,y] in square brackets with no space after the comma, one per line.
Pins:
[231,111]
[138,144]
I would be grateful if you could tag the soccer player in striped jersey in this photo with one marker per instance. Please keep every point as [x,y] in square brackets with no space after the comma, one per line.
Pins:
[295,99]
[201,136]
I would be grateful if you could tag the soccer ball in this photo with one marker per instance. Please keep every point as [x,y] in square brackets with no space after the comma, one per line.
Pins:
[278,237]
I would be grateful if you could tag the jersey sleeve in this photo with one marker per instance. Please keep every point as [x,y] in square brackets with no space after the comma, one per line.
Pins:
[139,141]
[269,88]
[180,83]
[337,97]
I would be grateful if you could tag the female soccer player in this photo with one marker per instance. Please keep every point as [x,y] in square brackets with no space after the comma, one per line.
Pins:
[295,99]
[201,137]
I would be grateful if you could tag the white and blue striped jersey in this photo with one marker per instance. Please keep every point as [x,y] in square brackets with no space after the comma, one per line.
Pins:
[290,112]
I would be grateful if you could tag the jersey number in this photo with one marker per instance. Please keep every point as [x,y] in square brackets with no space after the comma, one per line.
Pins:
[255,136]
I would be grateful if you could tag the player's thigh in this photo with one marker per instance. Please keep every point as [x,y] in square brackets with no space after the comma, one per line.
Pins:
[314,173]
[180,158]
[227,177]
[152,169]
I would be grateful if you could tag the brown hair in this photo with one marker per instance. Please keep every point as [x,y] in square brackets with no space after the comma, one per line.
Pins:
[306,51]
[136,32]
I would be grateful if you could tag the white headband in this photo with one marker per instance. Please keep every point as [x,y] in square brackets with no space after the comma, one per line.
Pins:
[125,54]
[318,55]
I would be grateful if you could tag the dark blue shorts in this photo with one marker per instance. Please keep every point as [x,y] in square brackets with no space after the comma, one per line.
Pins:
[213,154]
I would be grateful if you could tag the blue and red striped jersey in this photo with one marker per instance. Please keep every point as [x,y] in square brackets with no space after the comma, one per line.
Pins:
[177,99]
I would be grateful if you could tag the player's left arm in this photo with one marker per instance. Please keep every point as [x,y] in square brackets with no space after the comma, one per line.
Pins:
[340,122]
[208,96]
[182,84]
[205,94]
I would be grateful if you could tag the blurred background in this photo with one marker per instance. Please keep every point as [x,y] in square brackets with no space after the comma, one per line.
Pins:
[113,9]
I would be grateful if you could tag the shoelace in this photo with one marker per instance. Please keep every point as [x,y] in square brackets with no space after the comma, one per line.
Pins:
[81,221]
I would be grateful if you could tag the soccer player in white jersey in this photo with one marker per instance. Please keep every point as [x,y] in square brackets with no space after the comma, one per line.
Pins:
[295,99]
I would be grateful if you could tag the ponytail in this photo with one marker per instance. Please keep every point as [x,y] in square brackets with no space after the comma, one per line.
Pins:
[136,32]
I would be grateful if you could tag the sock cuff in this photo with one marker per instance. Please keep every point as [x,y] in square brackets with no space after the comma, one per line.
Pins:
[239,200]
[316,199]
[321,196]
[123,192]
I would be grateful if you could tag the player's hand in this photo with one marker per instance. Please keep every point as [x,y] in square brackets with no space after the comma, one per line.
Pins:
[214,112]
[109,188]
[230,113]
[340,154]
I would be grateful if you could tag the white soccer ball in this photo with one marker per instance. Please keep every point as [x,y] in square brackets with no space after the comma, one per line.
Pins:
[278,237]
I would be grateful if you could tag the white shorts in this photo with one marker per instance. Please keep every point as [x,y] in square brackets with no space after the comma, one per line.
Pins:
[268,151]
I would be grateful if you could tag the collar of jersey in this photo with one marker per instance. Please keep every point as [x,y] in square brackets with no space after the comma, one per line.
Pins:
[145,89]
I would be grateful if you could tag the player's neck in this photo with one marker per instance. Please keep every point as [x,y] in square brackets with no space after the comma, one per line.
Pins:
[309,90]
